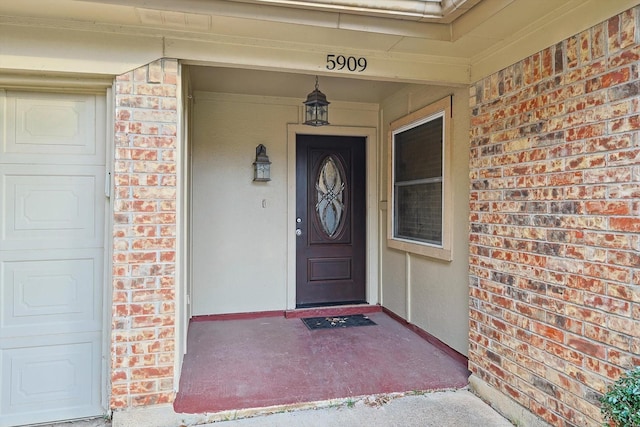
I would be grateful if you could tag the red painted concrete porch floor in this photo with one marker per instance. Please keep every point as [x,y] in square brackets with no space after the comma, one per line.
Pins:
[254,363]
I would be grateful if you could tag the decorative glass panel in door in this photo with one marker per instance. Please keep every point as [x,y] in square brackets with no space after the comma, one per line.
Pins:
[330,188]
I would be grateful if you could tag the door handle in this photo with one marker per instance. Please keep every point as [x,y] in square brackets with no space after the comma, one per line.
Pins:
[298,232]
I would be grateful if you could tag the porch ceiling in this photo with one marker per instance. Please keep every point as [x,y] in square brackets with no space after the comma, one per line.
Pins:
[271,83]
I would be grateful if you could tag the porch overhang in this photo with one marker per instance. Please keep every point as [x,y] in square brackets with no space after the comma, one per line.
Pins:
[114,36]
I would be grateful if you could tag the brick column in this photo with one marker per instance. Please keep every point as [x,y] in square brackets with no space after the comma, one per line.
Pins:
[144,236]
[555,223]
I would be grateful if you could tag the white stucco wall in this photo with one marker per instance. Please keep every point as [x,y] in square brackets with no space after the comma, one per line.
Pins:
[240,247]
[430,293]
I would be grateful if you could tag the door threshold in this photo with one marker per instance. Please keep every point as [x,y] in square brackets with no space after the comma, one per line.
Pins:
[338,310]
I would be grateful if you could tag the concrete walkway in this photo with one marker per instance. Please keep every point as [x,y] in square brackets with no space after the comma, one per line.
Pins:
[458,408]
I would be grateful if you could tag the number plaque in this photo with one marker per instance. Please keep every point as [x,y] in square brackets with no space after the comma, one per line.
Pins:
[349,63]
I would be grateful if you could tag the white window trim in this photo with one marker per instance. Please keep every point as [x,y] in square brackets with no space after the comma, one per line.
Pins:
[441,108]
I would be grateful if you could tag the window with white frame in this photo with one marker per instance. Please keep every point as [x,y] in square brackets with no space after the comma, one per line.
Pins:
[419,220]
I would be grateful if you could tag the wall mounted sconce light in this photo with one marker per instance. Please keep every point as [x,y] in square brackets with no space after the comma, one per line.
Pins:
[316,108]
[262,165]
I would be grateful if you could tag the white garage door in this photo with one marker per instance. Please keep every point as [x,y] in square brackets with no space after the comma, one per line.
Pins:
[52,204]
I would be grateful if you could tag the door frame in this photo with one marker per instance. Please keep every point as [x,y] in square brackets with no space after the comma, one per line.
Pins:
[372,290]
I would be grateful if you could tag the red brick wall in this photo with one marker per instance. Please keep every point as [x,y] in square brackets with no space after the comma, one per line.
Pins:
[144,236]
[555,223]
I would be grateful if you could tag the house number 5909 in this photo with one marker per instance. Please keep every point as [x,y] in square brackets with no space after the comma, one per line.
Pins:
[351,63]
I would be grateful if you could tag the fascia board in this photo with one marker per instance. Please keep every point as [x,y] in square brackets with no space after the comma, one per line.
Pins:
[382,66]
[64,50]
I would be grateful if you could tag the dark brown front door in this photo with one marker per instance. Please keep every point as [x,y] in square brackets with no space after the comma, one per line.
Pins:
[330,220]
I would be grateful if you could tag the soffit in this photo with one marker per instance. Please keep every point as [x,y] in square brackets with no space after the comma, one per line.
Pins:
[440,11]
[289,85]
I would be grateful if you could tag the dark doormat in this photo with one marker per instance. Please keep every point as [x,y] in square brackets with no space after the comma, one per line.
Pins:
[337,321]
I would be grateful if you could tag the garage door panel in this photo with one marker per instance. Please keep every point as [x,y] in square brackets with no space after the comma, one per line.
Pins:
[52,128]
[51,207]
[41,380]
[52,256]
[50,292]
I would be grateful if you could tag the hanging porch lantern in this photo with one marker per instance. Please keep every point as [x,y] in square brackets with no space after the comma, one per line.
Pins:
[316,108]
